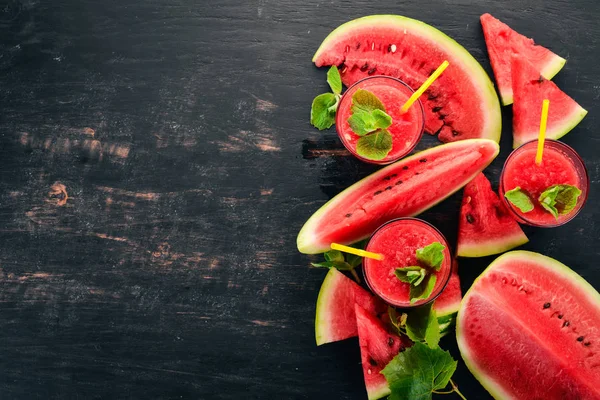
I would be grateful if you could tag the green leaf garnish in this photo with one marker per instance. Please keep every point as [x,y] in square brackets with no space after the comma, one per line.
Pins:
[375,146]
[519,199]
[419,370]
[432,255]
[322,112]
[342,262]
[334,255]
[424,290]
[334,80]
[340,265]
[559,199]
[422,325]
[363,100]
[362,123]
[412,275]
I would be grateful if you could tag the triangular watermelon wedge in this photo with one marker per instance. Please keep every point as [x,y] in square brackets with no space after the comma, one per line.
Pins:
[335,319]
[485,226]
[530,89]
[502,42]
[448,302]
[377,348]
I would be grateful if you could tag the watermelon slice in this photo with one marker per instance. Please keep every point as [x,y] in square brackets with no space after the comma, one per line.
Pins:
[530,89]
[529,328]
[448,302]
[461,103]
[485,226]
[502,42]
[377,348]
[335,319]
[405,188]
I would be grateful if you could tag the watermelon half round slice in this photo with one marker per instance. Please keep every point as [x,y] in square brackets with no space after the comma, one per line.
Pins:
[460,104]
[502,42]
[529,328]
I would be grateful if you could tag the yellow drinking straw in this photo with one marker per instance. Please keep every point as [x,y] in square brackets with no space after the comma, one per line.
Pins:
[356,252]
[542,136]
[424,86]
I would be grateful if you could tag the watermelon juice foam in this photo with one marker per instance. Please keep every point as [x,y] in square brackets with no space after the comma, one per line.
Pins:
[406,129]
[561,165]
[398,241]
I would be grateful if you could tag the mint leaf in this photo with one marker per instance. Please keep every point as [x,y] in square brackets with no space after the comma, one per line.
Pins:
[362,122]
[334,80]
[432,255]
[422,325]
[519,199]
[340,265]
[322,112]
[363,100]
[424,290]
[375,146]
[412,275]
[419,370]
[382,119]
[559,199]
[333,255]
[355,260]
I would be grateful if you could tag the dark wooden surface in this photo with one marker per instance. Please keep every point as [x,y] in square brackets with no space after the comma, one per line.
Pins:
[156,164]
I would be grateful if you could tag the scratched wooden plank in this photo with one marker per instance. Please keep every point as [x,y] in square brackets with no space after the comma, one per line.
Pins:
[156,165]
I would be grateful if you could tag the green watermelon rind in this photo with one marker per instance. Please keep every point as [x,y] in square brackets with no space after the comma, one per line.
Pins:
[478,249]
[305,244]
[546,262]
[325,293]
[558,130]
[475,70]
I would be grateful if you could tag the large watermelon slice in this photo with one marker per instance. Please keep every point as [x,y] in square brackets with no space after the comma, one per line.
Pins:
[448,302]
[377,348]
[530,89]
[502,42]
[529,328]
[460,104]
[335,319]
[485,226]
[405,188]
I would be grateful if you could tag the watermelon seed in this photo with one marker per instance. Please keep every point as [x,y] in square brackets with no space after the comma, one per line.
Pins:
[357,45]
[392,48]
[417,173]
[432,96]
[347,48]
[566,323]
[348,215]
[436,109]
[388,188]
[547,305]
[377,192]
[470,220]
[373,46]
[455,133]
[372,70]
[587,343]
[560,316]
[387,178]
[442,116]
[503,279]
[399,183]
[580,339]
[540,79]
[372,362]
[405,167]
[364,67]
[390,341]
[393,175]
[423,160]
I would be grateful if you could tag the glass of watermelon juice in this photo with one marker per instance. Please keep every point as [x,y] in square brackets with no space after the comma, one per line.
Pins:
[561,165]
[406,129]
[398,240]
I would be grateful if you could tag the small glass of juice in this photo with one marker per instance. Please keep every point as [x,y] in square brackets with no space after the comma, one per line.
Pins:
[398,241]
[406,129]
[560,165]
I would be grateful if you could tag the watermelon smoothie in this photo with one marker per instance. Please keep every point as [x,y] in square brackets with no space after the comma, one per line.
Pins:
[406,129]
[560,165]
[398,241]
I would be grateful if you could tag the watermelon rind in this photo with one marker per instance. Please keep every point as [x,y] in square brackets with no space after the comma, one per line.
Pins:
[479,249]
[322,334]
[493,127]
[546,262]
[558,130]
[305,240]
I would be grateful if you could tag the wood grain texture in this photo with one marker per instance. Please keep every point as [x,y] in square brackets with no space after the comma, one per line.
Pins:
[156,164]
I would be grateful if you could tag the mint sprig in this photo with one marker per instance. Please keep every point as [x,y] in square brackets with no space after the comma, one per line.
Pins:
[520,199]
[421,280]
[342,262]
[432,255]
[324,106]
[370,121]
[559,199]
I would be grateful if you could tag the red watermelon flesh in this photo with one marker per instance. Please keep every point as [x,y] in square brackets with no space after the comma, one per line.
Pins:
[403,189]
[377,348]
[485,226]
[529,328]
[530,89]
[335,319]
[502,42]
[448,302]
[460,104]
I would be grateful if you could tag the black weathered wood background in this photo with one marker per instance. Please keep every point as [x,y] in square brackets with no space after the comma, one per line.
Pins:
[156,164]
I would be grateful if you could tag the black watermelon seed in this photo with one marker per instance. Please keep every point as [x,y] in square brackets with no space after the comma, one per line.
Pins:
[388,188]
[387,178]
[566,323]
[377,192]
[399,183]
[405,167]
[470,218]
[364,67]
[357,45]
[580,339]
[372,362]
[417,173]
[436,109]
[390,341]
[390,48]
[394,175]
[432,96]
[547,305]
[587,343]
[372,71]
[560,316]
[348,215]
[442,116]
[423,160]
